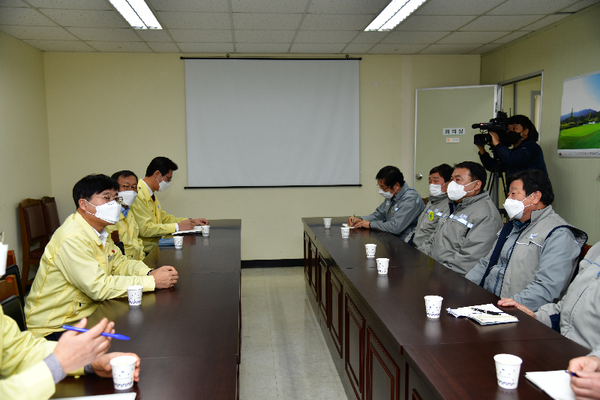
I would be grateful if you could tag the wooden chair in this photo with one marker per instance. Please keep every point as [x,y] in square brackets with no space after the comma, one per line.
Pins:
[8,287]
[33,236]
[14,271]
[50,215]
[13,307]
[10,258]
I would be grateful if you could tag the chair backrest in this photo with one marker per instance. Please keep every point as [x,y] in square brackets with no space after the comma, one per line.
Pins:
[10,258]
[13,307]
[50,211]
[33,228]
[8,287]
[14,270]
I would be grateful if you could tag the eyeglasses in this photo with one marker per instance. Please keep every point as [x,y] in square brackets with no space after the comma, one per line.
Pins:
[109,198]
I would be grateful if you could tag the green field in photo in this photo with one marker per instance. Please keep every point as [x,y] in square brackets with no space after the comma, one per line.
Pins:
[580,137]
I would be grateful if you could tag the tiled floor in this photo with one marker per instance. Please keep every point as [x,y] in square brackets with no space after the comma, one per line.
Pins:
[284,354]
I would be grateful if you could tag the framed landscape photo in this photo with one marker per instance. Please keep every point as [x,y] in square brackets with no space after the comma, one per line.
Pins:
[579,134]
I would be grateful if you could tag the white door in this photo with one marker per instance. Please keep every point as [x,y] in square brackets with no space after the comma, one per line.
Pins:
[443,132]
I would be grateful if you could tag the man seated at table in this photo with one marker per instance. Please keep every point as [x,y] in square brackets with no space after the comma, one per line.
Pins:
[31,367]
[81,266]
[577,315]
[399,211]
[152,220]
[468,233]
[586,385]
[535,255]
[127,227]
[436,208]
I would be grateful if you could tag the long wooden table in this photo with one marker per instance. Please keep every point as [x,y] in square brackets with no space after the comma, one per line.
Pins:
[383,344]
[187,337]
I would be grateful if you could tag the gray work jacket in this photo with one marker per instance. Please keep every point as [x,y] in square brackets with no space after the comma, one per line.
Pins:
[437,208]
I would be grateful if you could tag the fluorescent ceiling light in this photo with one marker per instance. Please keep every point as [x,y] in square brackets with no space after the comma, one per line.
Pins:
[137,13]
[395,12]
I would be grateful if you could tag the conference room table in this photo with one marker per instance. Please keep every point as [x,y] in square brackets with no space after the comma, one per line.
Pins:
[188,337]
[381,340]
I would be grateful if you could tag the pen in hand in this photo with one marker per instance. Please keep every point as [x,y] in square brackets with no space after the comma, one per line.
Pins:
[83,330]
[485,311]
[571,373]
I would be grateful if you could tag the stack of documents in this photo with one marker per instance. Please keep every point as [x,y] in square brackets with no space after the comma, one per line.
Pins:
[484,314]
[557,384]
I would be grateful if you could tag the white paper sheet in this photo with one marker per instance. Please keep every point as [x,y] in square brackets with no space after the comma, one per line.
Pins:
[116,396]
[556,384]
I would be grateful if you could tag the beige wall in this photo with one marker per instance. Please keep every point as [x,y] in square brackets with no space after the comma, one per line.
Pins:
[563,50]
[112,111]
[24,157]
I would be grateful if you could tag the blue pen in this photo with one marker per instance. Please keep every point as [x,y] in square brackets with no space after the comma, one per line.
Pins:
[572,373]
[83,330]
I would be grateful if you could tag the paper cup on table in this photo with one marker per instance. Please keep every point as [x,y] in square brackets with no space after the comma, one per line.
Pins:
[327,222]
[370,249]
[123,368]
[433,306]
[508,368]
[205,230]
[178,241]
[382,265]
[134,295]
[345,232]
[198,228]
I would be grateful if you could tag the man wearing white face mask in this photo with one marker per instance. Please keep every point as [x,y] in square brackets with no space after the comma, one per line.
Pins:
[127,227]
[467,234]
[536,253]
[152,220]
[81,266]
[399,211]
[437,207]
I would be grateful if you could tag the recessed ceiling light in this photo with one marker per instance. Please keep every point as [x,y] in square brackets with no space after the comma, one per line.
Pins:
[395,12]
[137,13]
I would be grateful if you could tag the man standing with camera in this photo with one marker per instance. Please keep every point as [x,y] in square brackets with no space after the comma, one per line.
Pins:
[525,154]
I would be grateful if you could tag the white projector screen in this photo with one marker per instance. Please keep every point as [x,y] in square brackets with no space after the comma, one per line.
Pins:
[270,122]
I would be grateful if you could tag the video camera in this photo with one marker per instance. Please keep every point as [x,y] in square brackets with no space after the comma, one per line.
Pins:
[498,125]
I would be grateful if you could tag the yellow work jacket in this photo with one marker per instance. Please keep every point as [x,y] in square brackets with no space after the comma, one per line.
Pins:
[75,274]
[23,373]
[129,233]
[152,220]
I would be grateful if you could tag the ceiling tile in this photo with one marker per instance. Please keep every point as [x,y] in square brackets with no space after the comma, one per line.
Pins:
[154,35]
[545,21]
[35,32]
[370,37]
[272,6]
[201,35]
[485,48]
[331,48]
[266,21]
[511,36]
[580,5]
[414,37]
[397,48]
[194,20]
[86,18]
[449,49]
[472,37]
[262,48]
[105,34]
[206,47]
[72,4]
[263,36]
[372,7]
[23,16]
[210,6]
[501,23]
[512,7]
[357,48]
[119,47]
[60,45]
[324,36]
[457,7]
[332,22]
[433,23]
[163,47]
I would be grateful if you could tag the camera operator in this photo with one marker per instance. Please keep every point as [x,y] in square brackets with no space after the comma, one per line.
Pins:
[525,154]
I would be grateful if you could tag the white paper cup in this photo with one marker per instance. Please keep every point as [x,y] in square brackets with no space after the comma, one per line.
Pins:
[508,368]
[370,249]
[205,230]
[198,228]
[382,265]
[433,306]
[123,368]
[134,295]
[345,232]
[327,222]
[178,240]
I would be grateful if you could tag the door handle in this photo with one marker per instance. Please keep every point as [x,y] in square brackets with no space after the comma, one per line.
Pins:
[419,176]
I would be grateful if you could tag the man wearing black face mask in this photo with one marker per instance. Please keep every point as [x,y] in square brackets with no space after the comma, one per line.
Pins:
[525,154]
